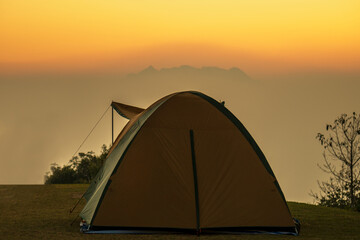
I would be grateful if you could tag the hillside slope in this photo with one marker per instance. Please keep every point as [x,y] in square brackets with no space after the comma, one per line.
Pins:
[42,212]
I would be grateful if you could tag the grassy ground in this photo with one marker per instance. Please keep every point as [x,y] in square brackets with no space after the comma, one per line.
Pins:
[42,212]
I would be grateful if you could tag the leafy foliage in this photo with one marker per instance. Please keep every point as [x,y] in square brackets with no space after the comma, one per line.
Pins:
[342,162]
[80,169]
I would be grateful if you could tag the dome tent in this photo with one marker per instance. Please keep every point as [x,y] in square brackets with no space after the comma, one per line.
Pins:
[185,163]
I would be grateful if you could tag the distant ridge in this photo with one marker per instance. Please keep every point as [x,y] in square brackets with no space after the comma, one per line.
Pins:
[193,72]
[147,70]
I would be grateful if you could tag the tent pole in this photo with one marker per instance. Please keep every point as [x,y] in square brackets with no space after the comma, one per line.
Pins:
[192,145]
[112,125]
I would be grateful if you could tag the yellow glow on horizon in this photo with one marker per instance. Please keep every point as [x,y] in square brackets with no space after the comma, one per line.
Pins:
[305,32]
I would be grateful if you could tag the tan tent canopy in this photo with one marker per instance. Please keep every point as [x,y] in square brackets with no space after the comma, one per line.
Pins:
[126,111]
[186,163]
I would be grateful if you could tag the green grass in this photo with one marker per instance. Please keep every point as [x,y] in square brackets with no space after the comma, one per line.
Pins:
[42,212]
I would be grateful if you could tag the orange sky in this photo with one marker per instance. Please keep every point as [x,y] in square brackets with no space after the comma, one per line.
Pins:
[257,36]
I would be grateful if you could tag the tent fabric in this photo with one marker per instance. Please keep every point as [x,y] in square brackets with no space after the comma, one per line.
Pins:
[97,186]
[186,162]
[126,111]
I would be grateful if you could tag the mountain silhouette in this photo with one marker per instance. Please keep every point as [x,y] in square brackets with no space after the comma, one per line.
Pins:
[189,72]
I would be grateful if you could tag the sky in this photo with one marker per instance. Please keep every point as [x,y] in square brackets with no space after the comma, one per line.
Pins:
[63,62]
[259,36]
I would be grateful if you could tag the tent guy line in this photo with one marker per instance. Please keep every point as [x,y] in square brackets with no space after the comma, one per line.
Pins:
[102,116]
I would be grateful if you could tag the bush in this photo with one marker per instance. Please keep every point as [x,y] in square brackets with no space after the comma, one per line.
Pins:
[80,169]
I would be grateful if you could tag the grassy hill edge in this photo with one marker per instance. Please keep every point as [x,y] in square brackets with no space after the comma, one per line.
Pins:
[42,212]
